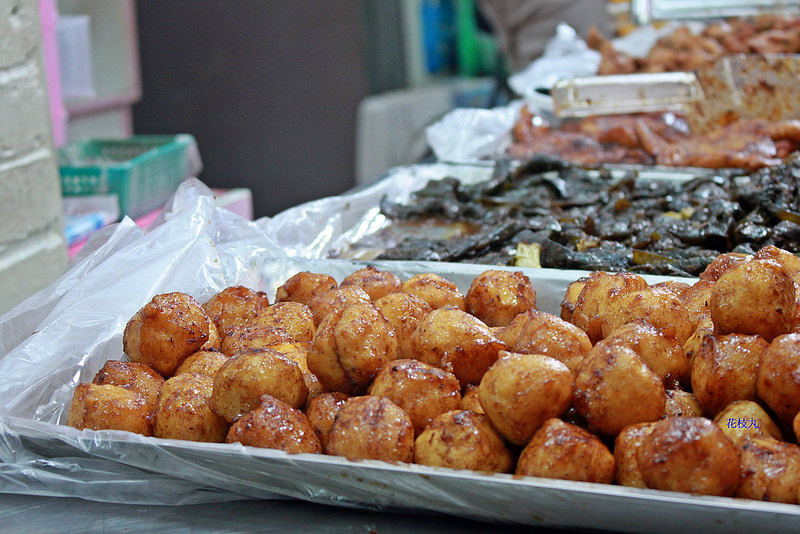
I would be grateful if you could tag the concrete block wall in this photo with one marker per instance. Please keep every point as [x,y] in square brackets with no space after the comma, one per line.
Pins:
[32,248]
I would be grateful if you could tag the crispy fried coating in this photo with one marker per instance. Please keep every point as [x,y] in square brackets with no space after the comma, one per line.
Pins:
[292,317]
[421,390]
[234,306]
[435,290]
[721,263]
[372,428]
[137,377]
[626,472]
[108,407]
[470,400]
[779,376]
[376,283]
[571,298]
[453,340]
[463,439]
[336,299]
[274,424]
[206,362]
[165,331]
[590,306]
[304,286]
[522,391]
[695,342]
[298,353]
[680,403]
[697,300]
[654,306]
[321,411]
[496,297]
[404,312]
[770,470]
[565,451]
[250,337]
[184,412]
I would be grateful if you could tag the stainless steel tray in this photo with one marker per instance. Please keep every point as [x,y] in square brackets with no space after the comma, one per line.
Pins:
[646,11]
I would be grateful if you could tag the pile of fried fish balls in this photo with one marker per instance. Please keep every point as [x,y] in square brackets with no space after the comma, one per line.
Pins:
[689,386]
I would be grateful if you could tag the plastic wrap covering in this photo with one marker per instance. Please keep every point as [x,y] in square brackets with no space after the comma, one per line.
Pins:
[64,334]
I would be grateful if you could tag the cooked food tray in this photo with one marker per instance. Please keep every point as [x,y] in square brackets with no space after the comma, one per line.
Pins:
[647,11]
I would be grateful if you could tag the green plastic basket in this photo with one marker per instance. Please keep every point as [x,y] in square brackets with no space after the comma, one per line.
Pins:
[143,170]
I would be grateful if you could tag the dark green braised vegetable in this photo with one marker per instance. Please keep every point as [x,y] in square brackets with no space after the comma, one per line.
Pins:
[581,219]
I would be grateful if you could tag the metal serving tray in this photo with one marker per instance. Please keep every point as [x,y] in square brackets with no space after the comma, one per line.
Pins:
[646,11]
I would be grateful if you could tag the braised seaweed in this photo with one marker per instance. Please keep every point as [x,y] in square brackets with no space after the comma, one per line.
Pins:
[584,219]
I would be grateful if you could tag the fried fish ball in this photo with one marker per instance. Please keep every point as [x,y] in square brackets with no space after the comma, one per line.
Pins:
[681,403]
[770,470]
[695,342]
[107,407]
[787,260]
[372,428]
[206,362]
[538,332]
[234,306]
[165,331]
[571,298]
[304,286]
[321,411]
[755,297]
[626,472]
[522,391]
[565,451]
[590,307]
[689,454]
[697,300]
[496,297]
[743,420]
[184,413]
[404,312]
[453,340]
[661,353]
[779,376]
[726,370]
[249,337]
[435,290]
[721,263]
[274,424]
[350,347]
[244,378]
[298,353]
[463,439]
[421,390]
[614,388]
[336,299]
[292,317]
[675,287]
[470,400]
[137,377]
[655,306]
[376,283]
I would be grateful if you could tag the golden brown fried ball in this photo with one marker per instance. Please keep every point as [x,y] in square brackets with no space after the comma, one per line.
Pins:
[107,407]
[770,470]
[184,413]
[538,332]
[675,287]
[590,307]
[304,286]
[496,297]
[565,451]
[165,331]
[654,306]
[614,388]
[421,390]
[376,283]
[743,420]
[726,370]
[350,347]
[755,297]
[695,341]
[721,263]
[404,312]
[273,424]
[205,362]
[661,353]
[779,376]
[292,317]
[244,378]
[234,306]
[298,353]
[626,472]
[435,290]
[137,377]
[250,337]
[214,340]
[787,260]
[453,340]
[522,391]
[470,400]
[697,300]
[571,298]
[372,428]
[336,299]
[321,411]
[689,454]
[463,440]
[681,404]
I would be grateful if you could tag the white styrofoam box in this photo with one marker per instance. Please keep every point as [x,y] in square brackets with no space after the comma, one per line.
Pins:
[75,56]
